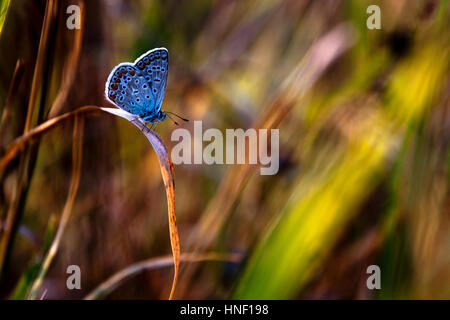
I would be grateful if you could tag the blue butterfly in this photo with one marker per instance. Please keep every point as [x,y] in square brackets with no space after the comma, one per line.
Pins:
[139,87]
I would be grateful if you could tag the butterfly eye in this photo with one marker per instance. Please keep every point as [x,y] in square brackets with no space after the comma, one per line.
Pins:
[136,81]
[121,98]
[148,97]
[144,86]
[137,99]
[154,90]
[162,69]
[128,79]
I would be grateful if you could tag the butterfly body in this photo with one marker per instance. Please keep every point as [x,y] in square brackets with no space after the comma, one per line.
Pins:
[139,87]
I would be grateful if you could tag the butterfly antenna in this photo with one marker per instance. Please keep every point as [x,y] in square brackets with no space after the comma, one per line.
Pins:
[172,119]
[177,116]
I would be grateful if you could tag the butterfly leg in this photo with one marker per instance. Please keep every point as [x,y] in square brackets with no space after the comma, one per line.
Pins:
[139,123]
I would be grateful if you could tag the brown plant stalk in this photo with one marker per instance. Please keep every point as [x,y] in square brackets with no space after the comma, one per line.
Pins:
[28,157]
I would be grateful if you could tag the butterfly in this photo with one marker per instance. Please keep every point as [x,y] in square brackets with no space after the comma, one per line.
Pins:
[139,87]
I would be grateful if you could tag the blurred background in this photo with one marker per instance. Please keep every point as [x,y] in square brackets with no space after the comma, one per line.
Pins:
[364,160]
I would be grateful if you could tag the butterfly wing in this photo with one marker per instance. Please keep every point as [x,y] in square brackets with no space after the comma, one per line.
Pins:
[128,90]
[154,65]
[139,88]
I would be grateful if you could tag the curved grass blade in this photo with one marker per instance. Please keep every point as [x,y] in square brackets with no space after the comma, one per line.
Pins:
[166,166]
[119,277]
[14,148]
